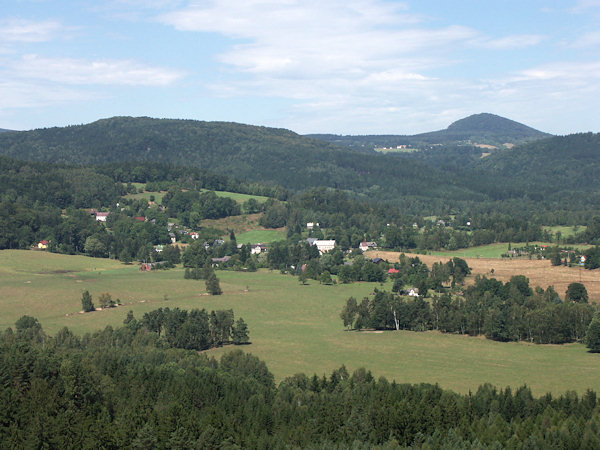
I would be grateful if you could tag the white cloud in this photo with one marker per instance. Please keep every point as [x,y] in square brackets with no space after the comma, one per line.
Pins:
[99,72]
[17,30]
[366,63]
[583,6]
[27,94]
[587,40]
[510,42]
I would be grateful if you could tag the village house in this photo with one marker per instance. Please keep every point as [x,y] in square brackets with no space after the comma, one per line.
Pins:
[148,267]
[217,261]
[311,225]
[325,245]
[102,216]
[43,244]
[367,245]
[257,249]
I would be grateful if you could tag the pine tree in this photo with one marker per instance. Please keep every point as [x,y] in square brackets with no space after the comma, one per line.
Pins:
[212,285]
[86,302]
[240,332]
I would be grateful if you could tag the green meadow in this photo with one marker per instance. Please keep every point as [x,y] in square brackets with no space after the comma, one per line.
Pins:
[262,236]
[294,328]
[240,198]
[566,231]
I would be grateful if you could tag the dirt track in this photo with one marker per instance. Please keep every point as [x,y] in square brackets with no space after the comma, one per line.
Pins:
[539,272]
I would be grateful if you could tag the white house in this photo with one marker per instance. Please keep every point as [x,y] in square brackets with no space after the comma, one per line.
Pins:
[258,248]
[311,225]
[101,216]
[324,245]
[367,245]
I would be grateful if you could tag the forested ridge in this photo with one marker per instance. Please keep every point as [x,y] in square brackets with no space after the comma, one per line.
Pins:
[551,174]
[121,387]
[266,155]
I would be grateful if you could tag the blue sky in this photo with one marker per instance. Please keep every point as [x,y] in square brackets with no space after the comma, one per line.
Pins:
[312,66]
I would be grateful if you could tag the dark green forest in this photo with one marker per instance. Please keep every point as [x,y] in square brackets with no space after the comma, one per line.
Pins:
[123,388]
[552,173]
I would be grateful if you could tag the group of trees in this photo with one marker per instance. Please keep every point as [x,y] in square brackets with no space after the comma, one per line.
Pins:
[196,329]
[123,388]
[509,311]
[190,206]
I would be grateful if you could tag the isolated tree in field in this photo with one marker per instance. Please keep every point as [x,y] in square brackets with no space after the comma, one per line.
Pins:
[86,302]
[326,278]
[106,300]
[239,332]
[302,277]
[554,254]
[592,337]
[349,312]
[213,286]
[576,292]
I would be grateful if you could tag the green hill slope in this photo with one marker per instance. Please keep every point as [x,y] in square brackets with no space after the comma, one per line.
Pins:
[244,152]
[560,162]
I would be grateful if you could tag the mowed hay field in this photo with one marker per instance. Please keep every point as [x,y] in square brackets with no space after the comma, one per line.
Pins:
[293,328]
[540,272]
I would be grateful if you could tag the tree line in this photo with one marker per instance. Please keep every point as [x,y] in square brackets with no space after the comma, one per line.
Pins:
[510,311]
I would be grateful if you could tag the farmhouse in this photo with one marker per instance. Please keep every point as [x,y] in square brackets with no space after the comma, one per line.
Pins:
[257,249]
[43,244]
[367,245]
[148,267]
[101,216]
[324,245]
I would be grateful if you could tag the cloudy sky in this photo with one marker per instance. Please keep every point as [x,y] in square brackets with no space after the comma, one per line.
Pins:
[312,66]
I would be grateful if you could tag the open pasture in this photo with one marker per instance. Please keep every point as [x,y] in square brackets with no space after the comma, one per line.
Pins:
[540,272]
[246,228]
[260,236]
[294,328]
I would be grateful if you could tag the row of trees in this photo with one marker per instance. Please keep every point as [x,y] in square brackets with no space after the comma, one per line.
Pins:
[123,388]
[502,312]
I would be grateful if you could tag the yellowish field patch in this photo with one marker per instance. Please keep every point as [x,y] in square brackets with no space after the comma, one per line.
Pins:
[540,272]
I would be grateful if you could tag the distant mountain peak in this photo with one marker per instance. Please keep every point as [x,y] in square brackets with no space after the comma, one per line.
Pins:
[486,122]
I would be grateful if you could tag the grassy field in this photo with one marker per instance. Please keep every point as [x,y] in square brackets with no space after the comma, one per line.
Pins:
[260,236]
[566,231]
[240,198]
[293,328]
[158,196]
